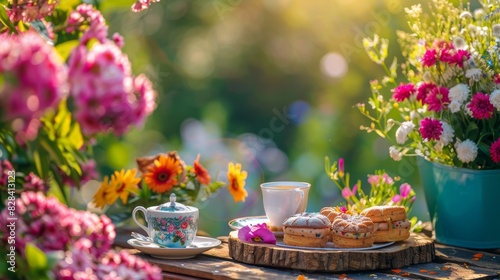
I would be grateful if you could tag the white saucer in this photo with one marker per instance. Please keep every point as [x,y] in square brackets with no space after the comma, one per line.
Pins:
[331,247]
[200,244]
[238,223]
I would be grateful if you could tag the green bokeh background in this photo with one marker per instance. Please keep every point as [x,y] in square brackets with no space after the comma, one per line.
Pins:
[246,81]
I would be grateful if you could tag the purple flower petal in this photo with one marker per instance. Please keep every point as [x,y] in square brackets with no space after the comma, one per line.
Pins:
[256,233]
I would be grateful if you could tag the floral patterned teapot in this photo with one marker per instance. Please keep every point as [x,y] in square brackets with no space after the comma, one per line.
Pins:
[170,224]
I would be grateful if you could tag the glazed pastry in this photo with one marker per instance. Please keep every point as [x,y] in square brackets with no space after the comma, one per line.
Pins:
[306,230]
[352,231]
[390,223]
[331,212]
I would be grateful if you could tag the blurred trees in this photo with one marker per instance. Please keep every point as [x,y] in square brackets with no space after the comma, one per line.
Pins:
[276,80]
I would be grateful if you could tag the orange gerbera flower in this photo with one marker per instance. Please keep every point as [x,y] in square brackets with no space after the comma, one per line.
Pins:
[201,173]
[163,174]
[236,180]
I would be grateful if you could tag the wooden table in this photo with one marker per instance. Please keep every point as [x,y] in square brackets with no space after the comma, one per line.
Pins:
[449,263]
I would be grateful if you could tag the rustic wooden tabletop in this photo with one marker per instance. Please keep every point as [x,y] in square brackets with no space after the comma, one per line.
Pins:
[448,263]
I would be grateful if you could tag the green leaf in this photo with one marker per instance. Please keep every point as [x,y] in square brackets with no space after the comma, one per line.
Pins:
[64,49]
[35,257]
[41,164]
[4,18]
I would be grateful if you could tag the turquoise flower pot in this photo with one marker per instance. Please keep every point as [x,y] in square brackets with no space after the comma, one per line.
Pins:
[464,204]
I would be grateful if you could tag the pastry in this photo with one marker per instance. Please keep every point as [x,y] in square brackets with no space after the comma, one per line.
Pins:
[390,223]
[352,231]
[306,230]
[332,212]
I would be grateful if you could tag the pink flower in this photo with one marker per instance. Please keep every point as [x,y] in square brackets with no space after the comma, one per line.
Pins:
[141,5]
[460,57]
[396,198]
[431,129]
[34,183]
[346,192]
[86,15]
[184,225]
[118,39]
[343,209]
[341,167]
[424,90]
[52,226]
[5,168]
[481,106]
[403,92]
[429,58]
[35,81]
[496,78]
[495,151]
[437,99]
[28,11]
[405,190]
[256,233]
[109,99]
[373,179]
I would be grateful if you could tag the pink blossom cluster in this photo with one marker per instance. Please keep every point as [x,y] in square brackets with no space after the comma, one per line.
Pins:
[79,263]
[436,97]
[108,97]
[141,5]
[52,226]
[34,183]
[34,80]
[29,10]
[88,17]
[5,167]
[445,52]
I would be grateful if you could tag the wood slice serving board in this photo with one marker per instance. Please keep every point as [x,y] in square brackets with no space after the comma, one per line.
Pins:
[414,250]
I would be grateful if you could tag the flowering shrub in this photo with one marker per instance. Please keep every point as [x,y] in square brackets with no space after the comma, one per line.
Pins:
[383,191]
[446,108]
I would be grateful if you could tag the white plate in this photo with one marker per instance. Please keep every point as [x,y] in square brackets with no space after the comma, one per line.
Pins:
[238,223]
[331,247]
[200,244]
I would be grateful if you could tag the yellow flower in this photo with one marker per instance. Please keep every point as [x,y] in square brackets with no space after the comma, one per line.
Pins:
[100,196]
[121,185]
[236,182]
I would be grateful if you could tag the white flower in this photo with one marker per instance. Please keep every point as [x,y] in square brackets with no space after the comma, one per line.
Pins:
[474,74]
[466,151]
[465,14]
[413,115]
[414,11]
[479,14]
[455,106]
[495,30]
[495,99]
[459,42]
[468,111]
[395,154]
[447,134]
[403,131]
[459,93]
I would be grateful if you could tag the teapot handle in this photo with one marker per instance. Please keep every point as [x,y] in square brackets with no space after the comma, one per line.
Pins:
[142,209]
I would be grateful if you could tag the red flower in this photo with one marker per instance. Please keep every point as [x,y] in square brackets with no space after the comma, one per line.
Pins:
[184,225]
[403,91]
[431,129]
[481,106]
[429,58]
[460,57]
[437,99]
[201,173]
[423,90]
[495,151]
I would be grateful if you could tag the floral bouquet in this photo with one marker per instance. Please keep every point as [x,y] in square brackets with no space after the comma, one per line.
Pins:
[446,107]
[160,176]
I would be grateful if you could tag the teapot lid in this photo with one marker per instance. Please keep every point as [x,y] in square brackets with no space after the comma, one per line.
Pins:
[173,206]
